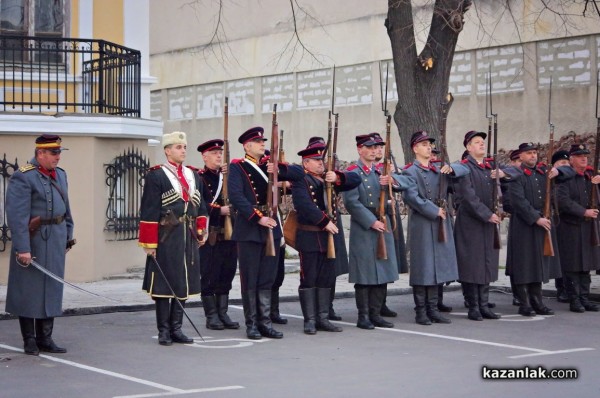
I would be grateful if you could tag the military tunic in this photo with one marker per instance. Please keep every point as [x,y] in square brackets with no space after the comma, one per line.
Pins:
[473,233]
[176,247]
[574,231]
[362,203]
[218,257]
[32,193]
[431,262]
[525,260]
[308,196]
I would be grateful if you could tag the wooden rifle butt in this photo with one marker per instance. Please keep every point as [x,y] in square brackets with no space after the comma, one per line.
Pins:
[330,246]
[442,231]
[270,244]
[497,239]
[381,249]
[227,228]
[548,247]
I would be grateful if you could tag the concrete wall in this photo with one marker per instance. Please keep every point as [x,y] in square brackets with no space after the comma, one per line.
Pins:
[96,254]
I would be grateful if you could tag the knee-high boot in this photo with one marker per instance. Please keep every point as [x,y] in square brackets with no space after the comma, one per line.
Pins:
[323,297]
[361,293]
[385,311]
[332,315]
[213,322]
[484,309]
[420,297]
[43,336]
[177,321]
[535,295]
[249,301]
[275,315]
[522,293]
[376,299]
[163,314]
[265,327]
[471,293]
[308,304]
[584,296]
[431,304]
[441,306]
[28,332]
[222,307]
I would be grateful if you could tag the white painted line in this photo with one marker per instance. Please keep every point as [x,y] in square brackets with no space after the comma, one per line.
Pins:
[553,352]
[170,390]
[184,392]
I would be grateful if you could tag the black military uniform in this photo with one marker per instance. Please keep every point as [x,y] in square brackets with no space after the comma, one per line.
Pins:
[578,255]
[173,221]
[218,258]
[474,234]
[525,261]
[317,272]
[248,193]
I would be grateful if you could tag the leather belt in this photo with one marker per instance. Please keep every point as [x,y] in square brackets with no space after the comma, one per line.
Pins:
[50,221]
[311,228]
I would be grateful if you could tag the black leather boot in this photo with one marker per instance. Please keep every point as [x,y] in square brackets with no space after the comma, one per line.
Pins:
[275,315]
[385,311]
[177,321]
[332,315]
[484,309]
[420,297]
[376,298]
[535,296]
[308,303]
[361,294]
[249,301]
[574,292]
[43,336]
[441,306]
[323,297]
[561,291]
[522,293]
[209,303]
[584,296]
[516,302]
[222,307]
[28,332]
[431,305]
[163,315]
[471,293]
[265,327]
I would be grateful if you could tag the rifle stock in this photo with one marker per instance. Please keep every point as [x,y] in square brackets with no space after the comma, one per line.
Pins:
[227,225]
[272,197]
[548,246]
[329,186]
[443,187]
[496,188]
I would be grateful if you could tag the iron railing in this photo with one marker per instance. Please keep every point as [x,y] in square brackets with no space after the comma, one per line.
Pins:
[54,75]
[125,179]
[7,169]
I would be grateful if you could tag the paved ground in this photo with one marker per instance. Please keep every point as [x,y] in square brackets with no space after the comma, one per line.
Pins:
[116,355]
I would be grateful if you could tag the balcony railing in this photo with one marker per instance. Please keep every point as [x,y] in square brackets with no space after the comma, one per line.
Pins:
[56,75]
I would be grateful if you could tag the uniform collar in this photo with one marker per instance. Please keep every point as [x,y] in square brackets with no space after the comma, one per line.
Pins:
[366,169]
[251,159]
[431,167]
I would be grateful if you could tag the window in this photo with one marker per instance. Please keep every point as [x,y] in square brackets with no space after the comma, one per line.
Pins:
[43,18]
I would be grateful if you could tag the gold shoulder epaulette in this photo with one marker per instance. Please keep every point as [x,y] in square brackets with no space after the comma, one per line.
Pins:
[26,168]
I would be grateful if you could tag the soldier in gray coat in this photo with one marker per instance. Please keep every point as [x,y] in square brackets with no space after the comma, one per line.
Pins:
[474,229]
[38,214]
[369,274]
[431,262]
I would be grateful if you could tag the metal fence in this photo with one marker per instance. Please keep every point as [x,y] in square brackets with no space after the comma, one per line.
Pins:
[125,180]
[6,171]
[69,75]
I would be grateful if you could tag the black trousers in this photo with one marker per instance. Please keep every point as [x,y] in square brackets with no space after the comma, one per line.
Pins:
[257,271]
[218,264]
[316,270]
[280,269]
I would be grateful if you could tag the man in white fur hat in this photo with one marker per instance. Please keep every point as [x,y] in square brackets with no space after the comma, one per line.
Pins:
[173,221]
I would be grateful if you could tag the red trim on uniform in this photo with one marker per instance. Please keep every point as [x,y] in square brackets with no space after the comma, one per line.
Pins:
[201,222]
[323,222]
[407,166]
[148,233]
[235,161]
[464,161]
[352,167]
[193,168]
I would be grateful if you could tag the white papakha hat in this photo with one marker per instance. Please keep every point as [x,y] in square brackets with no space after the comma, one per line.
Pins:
[176,137]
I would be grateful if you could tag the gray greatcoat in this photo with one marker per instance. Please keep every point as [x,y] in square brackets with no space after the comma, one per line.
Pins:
[362,204]
[30,193]
[525,260]
[473,233]
[574,231]
[431,262]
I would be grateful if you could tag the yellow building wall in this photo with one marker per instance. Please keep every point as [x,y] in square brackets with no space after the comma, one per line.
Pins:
[74,19]
[108,20]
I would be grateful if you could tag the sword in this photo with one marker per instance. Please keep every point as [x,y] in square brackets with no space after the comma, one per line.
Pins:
[64,282]
[174,295]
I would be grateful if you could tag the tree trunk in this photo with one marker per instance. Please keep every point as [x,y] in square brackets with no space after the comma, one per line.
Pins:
[422,80]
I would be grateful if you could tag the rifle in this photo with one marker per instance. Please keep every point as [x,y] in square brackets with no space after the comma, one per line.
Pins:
[331,144]
[442,200]
[282,160]
[227,226]
[548,247]
[488,114]
[595,236]
[272,196]
[496,188]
